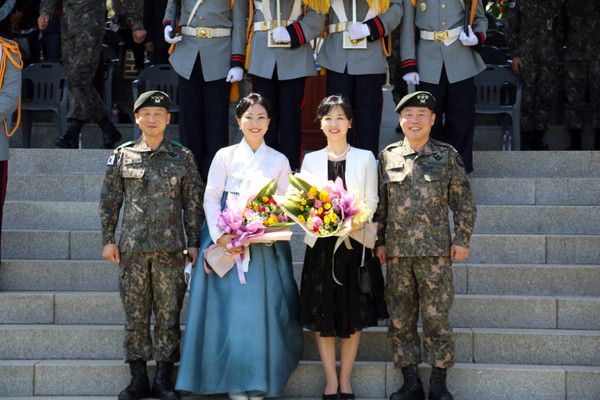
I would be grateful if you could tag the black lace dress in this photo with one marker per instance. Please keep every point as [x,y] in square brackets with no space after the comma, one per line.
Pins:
[325,306]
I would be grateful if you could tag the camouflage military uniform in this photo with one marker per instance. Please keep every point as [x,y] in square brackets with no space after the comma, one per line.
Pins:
[155,187]
[582,62]
[534,33]
[82,29]
[415,192]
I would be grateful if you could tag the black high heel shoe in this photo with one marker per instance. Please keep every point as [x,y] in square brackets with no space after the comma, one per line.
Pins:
[330,396]
[347,396]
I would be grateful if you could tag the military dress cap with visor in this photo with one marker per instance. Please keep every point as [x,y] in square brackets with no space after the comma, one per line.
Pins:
[417,99]
[153,98]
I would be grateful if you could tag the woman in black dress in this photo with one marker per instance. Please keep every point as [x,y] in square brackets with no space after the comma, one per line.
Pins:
[327,308]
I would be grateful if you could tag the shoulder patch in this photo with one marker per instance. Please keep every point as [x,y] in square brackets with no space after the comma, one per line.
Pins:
[111,160]
[126,144]
[460,161]
[174,143]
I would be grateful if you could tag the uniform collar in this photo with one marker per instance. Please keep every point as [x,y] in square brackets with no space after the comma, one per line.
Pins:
[141,146]
[430,148]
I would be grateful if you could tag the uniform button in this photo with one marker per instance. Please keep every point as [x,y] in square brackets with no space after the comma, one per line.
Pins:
[200,18]
[443,6]
[443,24]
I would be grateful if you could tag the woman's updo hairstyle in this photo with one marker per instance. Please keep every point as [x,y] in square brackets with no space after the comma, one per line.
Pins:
[249,101]
[330,102]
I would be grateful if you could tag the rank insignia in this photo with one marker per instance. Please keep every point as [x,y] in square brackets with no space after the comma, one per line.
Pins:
[173,180]
[423,97]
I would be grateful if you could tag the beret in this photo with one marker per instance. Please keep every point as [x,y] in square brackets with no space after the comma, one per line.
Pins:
[416,99]
[153,98]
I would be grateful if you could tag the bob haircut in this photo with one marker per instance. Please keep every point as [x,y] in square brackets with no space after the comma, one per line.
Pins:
[330,102]
[249,101]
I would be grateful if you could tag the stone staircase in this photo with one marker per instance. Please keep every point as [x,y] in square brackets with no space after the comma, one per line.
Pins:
[526,313]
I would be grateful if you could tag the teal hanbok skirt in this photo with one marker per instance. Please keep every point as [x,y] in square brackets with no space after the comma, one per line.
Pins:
[242,337]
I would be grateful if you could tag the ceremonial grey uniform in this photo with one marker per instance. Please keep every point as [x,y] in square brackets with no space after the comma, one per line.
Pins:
[154,186]
[359,73]
[415,192]
[278,73]
[213,42]
[446,69]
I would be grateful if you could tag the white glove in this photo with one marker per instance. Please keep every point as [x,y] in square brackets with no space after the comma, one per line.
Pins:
[168,38]
[412,78]
[235,74]
[281,35]
[358,30]
[470,40]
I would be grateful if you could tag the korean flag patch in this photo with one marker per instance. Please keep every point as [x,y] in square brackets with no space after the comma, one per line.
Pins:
[111,160]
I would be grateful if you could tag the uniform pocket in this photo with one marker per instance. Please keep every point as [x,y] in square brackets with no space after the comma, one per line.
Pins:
[394,172]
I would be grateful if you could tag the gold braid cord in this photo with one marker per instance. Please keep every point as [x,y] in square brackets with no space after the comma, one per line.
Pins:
[10,51]
[322,6]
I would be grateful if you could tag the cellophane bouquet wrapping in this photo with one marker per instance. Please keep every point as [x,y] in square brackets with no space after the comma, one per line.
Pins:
[259,219]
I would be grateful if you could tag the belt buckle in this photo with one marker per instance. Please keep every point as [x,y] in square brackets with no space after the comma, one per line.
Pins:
[203,33]
[441,35]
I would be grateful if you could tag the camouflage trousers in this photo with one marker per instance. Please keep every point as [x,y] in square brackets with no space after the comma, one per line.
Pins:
[579,76]
[394,61]
[152,281]
[81,40]
[428,281]
[539,81]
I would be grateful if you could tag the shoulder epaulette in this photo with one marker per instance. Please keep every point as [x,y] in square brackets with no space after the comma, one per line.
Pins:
[174,143]
[126,144]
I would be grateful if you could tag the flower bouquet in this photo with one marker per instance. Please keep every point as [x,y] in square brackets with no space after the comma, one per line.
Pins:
[257,220]
[329,211]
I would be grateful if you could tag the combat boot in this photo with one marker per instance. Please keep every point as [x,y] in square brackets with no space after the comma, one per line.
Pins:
[162,387]
[575,139]
[537,141]
[139,387]
[110,133]
[412,388]
[437,385]
[70,139]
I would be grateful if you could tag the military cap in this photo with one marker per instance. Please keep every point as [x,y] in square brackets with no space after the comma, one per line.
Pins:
[153,98]
[416,99]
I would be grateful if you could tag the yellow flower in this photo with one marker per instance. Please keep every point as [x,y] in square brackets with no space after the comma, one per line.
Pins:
[265,199]
[303,202]
[326,219]
[272,220]
[324,196]
[327,206]
[256,208]
[320,210]
[333,217]
[313,191]
[301,218]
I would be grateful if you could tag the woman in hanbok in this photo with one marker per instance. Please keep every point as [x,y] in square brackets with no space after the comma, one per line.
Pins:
[327,308]
[242,339]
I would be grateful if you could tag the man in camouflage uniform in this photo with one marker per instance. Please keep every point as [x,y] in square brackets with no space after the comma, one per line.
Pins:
[419,179]
[82,29]
[158,179]
[582,68]
[534,35]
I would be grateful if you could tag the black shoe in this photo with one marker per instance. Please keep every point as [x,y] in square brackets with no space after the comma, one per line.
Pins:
[162,387]
[109,132]
[575,139]
[139,387]
[437,385]
[597,140]
[70,139]
[412,388]
[347,396]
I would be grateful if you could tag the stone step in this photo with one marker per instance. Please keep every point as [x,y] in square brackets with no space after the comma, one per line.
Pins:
[83,216]
[485,248]
[495,164]
[468,311]
[479,345]
[477,279]
[487,191]
[373,380]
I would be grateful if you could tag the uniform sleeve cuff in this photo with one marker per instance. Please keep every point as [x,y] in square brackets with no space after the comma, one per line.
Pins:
[296,34]
[480,37]
[238,60]
[193,241]
[165,23]
[408,66]
[461,240]
[376,27]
